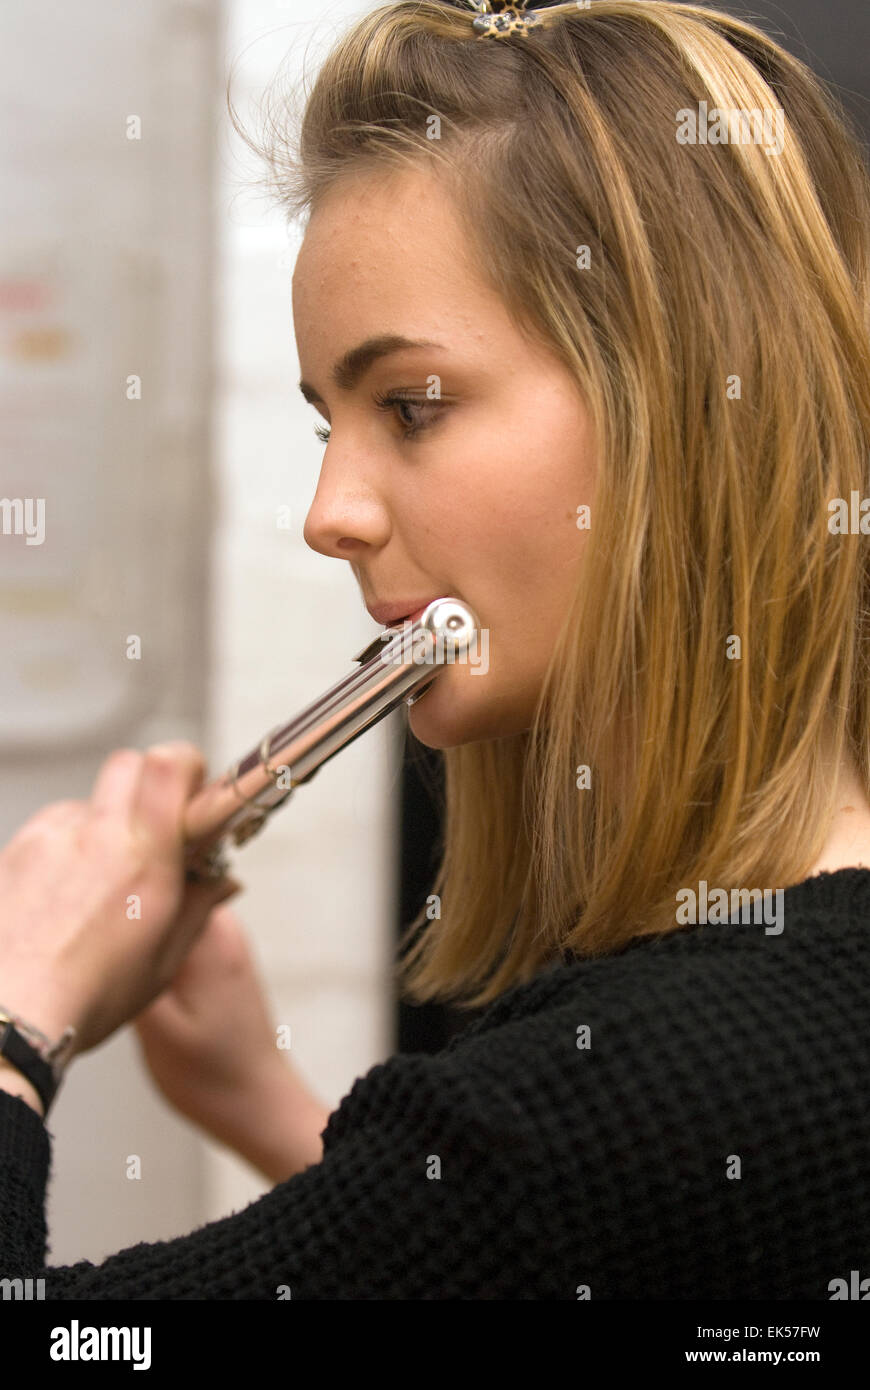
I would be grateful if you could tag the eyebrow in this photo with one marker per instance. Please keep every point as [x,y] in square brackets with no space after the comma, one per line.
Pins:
[352,366]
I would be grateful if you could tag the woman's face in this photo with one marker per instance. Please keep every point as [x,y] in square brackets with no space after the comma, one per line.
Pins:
[480,501]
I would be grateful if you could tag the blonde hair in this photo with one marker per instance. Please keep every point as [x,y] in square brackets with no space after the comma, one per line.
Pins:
[720,338]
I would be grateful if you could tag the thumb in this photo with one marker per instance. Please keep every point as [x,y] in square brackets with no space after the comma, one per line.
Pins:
[199,901]
[163,1015]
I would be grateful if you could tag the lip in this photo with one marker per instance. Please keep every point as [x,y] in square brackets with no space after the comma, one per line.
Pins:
[391,613]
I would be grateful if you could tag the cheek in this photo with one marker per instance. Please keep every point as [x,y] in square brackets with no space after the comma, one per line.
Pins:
[499,524]
[524,542]
[521,580]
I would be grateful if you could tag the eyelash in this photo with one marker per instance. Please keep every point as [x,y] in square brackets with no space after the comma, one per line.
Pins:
[388,402]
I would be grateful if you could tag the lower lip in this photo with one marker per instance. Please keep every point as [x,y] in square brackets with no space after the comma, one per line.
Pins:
[412,618]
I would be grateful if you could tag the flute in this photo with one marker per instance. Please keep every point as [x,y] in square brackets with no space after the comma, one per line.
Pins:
[400,664]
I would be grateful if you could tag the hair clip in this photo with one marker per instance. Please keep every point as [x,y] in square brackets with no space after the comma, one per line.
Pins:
[509,19]
[503,20]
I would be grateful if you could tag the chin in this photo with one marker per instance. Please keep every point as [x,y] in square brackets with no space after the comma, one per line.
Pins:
[460,707]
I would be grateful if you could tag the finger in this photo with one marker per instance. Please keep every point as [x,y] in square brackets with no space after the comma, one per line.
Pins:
[163,1015]
[206,963]
[164,1024]
[228,935]
[171,774]
[199,902]
[209,946]
[161,1011]
[62,810]
[116,784]
[57,813]
[207,896]
[210,949]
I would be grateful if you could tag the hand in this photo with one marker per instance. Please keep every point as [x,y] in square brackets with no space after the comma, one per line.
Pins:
[210,1045]
[72,949]
[209,1033]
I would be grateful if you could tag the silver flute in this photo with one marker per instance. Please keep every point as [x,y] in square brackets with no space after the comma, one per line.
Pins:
[400,664]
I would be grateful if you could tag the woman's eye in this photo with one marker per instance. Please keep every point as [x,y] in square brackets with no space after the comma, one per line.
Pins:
[407,409]
[404,407]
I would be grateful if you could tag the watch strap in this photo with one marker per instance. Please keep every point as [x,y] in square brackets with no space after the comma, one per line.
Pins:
[25,1058]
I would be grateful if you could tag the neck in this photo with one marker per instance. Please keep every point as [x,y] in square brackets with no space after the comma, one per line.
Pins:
[848,842]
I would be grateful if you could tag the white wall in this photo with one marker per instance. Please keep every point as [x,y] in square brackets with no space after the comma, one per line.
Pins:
[147,257]
[287,622]
[105,271]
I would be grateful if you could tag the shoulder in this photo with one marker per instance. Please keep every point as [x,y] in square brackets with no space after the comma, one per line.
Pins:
[611,1122]
[713,991]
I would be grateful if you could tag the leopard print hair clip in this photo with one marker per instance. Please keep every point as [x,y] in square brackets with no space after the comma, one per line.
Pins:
[498,20]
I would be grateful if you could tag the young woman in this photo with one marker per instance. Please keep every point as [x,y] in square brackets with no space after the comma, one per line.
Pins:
[583,298]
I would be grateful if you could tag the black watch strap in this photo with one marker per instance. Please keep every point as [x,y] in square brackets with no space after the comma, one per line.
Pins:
[25,1058]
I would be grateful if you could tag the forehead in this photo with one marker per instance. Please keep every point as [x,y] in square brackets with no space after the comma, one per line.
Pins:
[394,235]
[391,252]
[386,202]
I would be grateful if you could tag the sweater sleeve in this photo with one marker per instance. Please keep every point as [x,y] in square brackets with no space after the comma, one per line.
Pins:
[415,1197]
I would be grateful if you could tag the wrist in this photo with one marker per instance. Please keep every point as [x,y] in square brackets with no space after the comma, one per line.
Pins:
[276,1123]
[12,1080]
[48,1019]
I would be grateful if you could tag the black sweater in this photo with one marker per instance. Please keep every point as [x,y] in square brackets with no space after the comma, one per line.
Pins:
[711,1140]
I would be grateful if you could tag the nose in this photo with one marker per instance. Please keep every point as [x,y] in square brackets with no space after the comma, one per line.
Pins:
[346,516]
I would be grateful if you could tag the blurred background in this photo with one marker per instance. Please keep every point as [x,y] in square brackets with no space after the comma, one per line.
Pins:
[162,589]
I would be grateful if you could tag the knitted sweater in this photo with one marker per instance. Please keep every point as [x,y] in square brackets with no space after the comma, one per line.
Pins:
[686,1118]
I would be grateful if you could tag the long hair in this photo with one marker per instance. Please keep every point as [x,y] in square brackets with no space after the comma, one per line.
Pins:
[712,671]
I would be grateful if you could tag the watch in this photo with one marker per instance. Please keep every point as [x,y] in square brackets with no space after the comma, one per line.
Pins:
[43,1069]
